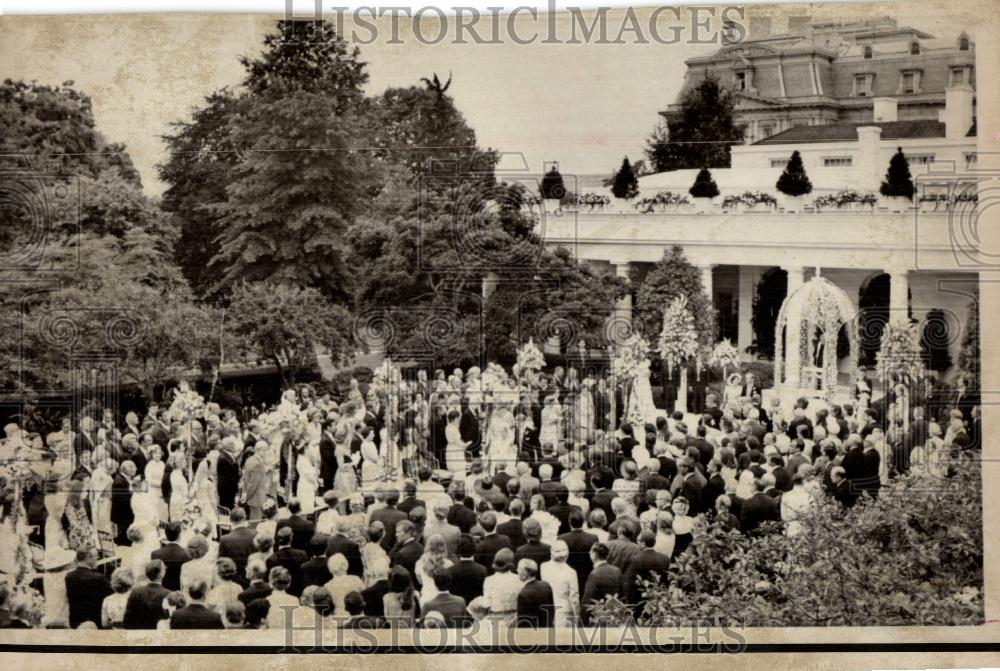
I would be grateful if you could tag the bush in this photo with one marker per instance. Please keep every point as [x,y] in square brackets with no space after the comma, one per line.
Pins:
[704,186]
[913,556]
[794,181]
[898,182]
[626,184]
[552,185]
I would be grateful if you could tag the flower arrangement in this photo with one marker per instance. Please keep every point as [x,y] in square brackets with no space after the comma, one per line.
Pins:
[845,198]
[749,199]
[187,404]
[285,416]
[529,358]
[193,514]
[900,354]
[592,200]
[633,353]
[661,199]
[724,355]
[679,338]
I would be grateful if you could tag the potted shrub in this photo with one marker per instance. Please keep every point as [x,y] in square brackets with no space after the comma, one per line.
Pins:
[552,189]
[625,185]
[898,185]
[794,183]
[704,190]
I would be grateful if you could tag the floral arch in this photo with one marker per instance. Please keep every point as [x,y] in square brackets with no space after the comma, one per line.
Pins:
[809,322]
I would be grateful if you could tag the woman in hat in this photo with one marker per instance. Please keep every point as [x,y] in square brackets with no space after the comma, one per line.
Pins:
[500,590]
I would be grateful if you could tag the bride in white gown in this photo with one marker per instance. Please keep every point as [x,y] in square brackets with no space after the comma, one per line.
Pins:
[500,438]
[641,398]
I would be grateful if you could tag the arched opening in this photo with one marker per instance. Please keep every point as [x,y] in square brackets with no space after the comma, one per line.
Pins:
[963,43]
[868,52]
[873,313]
[771,292]
[914,48]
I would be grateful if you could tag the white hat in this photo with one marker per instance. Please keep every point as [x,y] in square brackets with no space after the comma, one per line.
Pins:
[58,558]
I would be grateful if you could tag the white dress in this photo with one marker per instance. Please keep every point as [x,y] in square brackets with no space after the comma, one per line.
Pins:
[428,590]
[154,480]
[502,446]
[642,395]
[307,483]
[455,451]
[565,591]
[100,501]
[178,494]
[551,431]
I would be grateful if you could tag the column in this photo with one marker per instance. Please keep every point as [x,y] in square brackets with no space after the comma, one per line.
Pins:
[792,365]
[796,277]
[489,285]
[624,306]
[706,280]
[899,294]
[744,327]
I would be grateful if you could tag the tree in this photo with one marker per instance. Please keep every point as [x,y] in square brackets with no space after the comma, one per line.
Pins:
[793,180]
[935,337]
[672,277]
[968,356]
[898,182]
[704,186]
[626,184]
[699,134]
[285,325]
[552,185]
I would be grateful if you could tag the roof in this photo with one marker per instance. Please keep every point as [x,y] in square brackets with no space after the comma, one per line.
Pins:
[847,132]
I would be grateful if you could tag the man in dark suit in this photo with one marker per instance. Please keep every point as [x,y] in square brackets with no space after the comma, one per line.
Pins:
[238,543]
[468,427]
[491,543]
[782,478]
[603,581]
[302,529]
[173,555]
[291,558]
[535,602]
[259,587]
[408,550]
[529,449]
[196,615]
[315,571]
[563,509]
[842,491]
[144,607]
[601,500]
[228,474]
[86,589]
[121,503]
[374,594]
[354,604]
[758,509]
[461,515]
[534,549]
[410,500]
[652,479]
[450,606]
[645,565]
[467,576]
[513,528]
[579,543]
[691,485]
[389,516]
[338,543]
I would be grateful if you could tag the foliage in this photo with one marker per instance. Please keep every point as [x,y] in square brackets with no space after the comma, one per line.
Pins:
[847,197]
[900,354]
[724,355]
[678,337]
[661,199]
[591,200]
[700,134]
[935,337]
[671,277]
[968,355]
[626,184]
[285,325]
[552,185]
[793,180]
[898,182]
[913,556]
[749,199]
[704,186]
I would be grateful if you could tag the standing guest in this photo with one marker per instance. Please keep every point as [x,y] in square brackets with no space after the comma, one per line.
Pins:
[86,589]
[173,555]
[256,614]
[400,603]
[196,615]
[76,519]
[604,581]
[578,542]
[227,592]
[291,559]
[255,482]
[342,582]
[258,589]
[535,602]
[314,571]
[408,550]
[622,547]
[439,525]
[238,543]
[565,585]
[467,575]
[201,566]
[500,589]
[648,564]
[491,543]
[263,548]
[113,608]
[451,607]
[339,543]
[325,520]
[374,593]
[302,529]
[372,554]
[389,517]
[227,473]
[354,605]
[121,502]
[435,557]
[283,602]
[144,608]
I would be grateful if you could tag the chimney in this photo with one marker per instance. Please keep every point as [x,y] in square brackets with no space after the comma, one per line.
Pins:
[885,109]
[957,114]
[869,168]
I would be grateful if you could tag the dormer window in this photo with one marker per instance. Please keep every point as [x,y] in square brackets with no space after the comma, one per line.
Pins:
[963,43]
[914,48]
[867,52]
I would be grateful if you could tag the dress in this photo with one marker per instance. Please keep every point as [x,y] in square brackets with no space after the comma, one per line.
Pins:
[584,414]
[113,610]
[307,483]
[80,533]
[500,592]
[178,494]
[428,590]
[501,440]
[154,480]
[345,482]
[565,591]
[551,431]
[100,499]
[642,395]
[455,452]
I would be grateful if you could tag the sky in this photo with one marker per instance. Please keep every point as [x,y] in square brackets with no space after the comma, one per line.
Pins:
[583,105]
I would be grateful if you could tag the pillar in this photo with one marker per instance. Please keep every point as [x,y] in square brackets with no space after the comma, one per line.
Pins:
[744,326]
[624,306]
[489,285]
[899,294]
[706,280]
[796,277]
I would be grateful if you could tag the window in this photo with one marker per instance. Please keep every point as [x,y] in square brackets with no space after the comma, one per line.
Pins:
[971,158]
[862,85]
[914,48]
[835,161]
[867,52]
[963,43]
[908,82]
[741,81]
[920,159]
[766,130]
[779,162]
[957,76]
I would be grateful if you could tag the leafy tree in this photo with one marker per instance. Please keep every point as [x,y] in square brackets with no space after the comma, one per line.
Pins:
[285,325]
[704,186]
[793,180]
[898,182]
[626,184]
[699,134]
[934,338]
[672,277]
[552,185]
[968,356]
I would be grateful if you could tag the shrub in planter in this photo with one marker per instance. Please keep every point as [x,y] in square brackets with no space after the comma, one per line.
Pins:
[704,189]
[626,185]
[552,186]
[794,182]
[898,184]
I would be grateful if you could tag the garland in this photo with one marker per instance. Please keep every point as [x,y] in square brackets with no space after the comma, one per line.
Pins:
[847,197]
[749,199]
[661,199]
